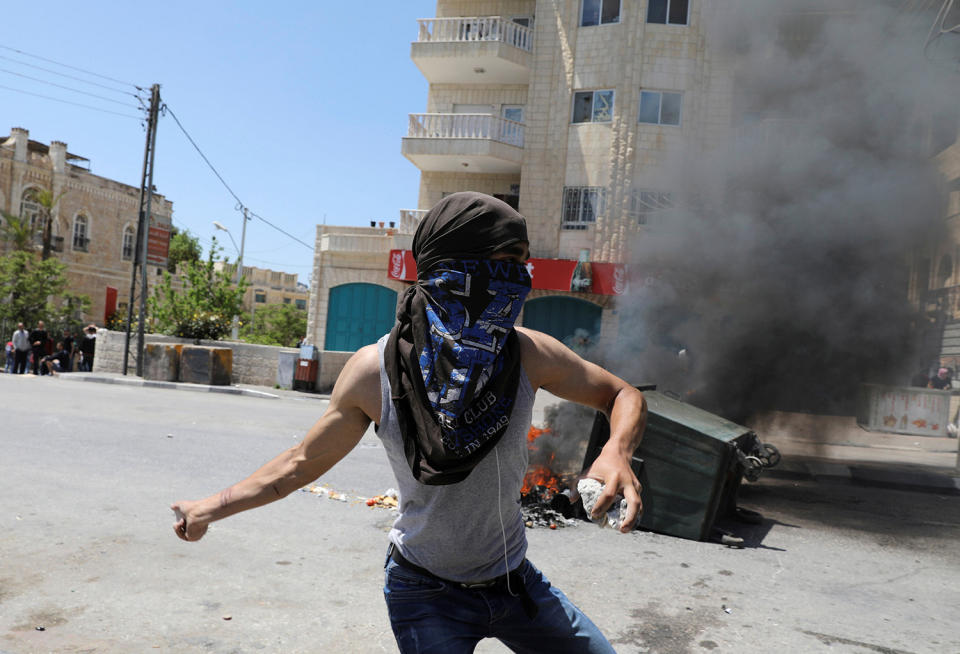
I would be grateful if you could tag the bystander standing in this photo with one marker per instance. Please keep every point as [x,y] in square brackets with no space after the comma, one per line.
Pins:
[87,346]
[38,341]
[21,346]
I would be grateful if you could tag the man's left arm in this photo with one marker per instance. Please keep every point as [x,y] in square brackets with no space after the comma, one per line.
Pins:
[554,367]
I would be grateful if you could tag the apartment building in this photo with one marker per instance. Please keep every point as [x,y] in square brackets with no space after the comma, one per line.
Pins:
[94,220]
[566,111]
[268,286]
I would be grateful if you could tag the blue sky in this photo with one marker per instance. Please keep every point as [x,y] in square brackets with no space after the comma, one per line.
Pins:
[300,106]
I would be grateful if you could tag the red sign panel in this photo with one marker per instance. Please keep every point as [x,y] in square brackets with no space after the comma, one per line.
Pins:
[158,244]
[545,274]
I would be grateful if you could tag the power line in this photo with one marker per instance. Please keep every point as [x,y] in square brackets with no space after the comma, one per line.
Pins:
[73,77]
[68,88]
[76,104]
[86,72]
[240,204]
[200,152]
[255,215]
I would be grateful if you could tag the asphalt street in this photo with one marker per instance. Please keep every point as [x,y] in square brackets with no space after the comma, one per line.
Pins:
[87,551]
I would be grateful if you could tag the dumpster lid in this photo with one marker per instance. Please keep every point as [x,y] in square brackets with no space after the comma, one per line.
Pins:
[692,417]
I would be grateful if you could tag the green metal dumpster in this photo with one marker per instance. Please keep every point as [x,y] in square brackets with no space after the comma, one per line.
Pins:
[690,462]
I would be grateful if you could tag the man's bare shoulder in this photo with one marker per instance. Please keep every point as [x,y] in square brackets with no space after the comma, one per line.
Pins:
[539,353]
[359,382]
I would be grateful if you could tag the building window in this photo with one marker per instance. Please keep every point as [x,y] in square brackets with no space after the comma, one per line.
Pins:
[128,241]
[30,208]
[80,241]
[300,304]
[286,300]
[645,204]
[260,297]
[600,12]
[668,12]
[593,106]
[660,107]
[582,205]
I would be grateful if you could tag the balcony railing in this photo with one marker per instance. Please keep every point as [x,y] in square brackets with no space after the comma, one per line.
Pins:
[410,219]
[466,126]
[483,28]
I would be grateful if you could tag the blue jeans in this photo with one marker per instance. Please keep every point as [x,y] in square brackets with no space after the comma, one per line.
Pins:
[429,615]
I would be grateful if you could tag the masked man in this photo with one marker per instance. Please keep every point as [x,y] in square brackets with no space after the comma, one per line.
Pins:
[451,388]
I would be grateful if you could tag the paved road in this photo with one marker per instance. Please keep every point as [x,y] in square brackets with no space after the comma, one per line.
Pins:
[87,472]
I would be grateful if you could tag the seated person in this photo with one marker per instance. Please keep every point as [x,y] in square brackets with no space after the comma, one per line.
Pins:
[942,381]
[58,361]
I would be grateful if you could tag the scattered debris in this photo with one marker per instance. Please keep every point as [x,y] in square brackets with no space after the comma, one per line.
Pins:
[329,492]
[726,609]
[542,507]
[389,500]
[40,628]
[228,617]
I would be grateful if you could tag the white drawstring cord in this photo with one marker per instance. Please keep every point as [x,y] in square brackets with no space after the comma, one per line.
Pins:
[503,531]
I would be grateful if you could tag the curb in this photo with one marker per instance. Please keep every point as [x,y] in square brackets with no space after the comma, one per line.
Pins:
[940,480]
[175,386]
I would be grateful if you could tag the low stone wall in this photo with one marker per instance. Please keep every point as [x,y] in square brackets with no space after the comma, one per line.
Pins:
[252,364]
[331,364]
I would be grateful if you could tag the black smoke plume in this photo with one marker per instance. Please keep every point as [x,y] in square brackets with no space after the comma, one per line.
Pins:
[780,278]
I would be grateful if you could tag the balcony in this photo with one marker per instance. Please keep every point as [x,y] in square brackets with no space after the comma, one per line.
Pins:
[479,50]
[464,143]
[410,220]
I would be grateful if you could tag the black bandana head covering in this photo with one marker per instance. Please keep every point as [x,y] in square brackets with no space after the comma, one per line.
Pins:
[453,357]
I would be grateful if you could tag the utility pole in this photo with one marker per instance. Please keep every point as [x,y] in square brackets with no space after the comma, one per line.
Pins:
[143,233]
[235,329]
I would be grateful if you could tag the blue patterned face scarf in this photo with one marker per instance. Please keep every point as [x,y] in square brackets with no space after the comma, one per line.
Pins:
[453,357]
[474,305]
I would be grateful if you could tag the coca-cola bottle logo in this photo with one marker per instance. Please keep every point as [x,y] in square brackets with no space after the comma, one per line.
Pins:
[397,265]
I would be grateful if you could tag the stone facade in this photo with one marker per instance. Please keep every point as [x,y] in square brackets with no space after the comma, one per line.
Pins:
[89,221]
[345,255]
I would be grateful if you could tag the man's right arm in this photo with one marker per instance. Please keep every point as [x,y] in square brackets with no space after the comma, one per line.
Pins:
[354,403]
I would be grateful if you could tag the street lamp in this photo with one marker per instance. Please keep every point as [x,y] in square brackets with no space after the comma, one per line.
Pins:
[235,329]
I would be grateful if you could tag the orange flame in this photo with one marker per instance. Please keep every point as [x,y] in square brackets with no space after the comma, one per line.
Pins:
[540,476]
[535,433]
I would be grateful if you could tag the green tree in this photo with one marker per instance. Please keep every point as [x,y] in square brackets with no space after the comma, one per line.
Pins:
[183,248]
[68,314]
[16,232]
[275,324]
[204,309]
[47,201]
[26,284]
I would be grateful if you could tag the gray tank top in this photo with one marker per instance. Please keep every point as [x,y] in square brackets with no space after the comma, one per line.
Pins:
[461,531]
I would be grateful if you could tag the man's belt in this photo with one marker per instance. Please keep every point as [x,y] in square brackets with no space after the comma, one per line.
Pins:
[512,582]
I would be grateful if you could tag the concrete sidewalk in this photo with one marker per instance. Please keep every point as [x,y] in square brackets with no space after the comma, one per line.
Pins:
[811,446]
[836,447]
[239,389]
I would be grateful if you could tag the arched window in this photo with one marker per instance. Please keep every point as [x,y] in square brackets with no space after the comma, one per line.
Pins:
[81,242]
[129,238]
[30,208]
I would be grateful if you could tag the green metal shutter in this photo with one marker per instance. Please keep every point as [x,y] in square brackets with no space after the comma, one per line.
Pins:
[358,315]
[560,317]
